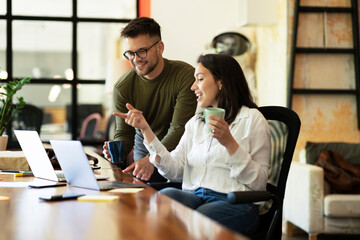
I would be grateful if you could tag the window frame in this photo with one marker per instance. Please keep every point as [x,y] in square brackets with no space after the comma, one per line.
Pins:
[74,20]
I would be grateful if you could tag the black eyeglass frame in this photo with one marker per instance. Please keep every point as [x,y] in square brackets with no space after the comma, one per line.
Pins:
[137,52]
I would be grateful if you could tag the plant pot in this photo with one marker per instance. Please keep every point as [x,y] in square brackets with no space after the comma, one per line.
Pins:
[3,142]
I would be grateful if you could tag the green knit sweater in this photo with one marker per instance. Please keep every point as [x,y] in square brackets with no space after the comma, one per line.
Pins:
[167,103]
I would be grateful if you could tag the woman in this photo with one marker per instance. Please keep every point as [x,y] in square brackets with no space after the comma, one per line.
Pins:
[238,159]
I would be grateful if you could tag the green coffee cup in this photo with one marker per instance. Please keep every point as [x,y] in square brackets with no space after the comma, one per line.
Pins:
[213,111]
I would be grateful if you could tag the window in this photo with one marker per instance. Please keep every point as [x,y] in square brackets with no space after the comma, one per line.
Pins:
[67,52]
[54,8]
[2,7]
[107,9]
[3,73]
[41,49]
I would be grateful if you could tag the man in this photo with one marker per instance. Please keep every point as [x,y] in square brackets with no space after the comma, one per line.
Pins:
[159,87]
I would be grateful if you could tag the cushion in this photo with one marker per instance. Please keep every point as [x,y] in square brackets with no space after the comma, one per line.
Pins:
[279,132]
[346,225]
[349,151]
[342,205]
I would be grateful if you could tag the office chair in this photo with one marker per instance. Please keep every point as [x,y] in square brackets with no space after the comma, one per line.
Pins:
[284,126]
[109,129]
[83,111]
[106,135]
[28,118]
[90,126]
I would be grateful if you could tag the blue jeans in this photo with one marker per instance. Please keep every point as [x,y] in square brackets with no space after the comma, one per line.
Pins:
[243,218]
[140,151]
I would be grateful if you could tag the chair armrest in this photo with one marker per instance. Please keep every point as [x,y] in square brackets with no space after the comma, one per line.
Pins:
[304,197]
[259,196]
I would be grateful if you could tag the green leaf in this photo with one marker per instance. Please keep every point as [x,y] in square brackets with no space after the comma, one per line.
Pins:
[8,109]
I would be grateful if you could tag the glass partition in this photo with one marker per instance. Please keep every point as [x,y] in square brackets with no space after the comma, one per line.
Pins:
[93,99]
[98,46]
[107,9]
[3,72]
[2,7]
[58,8]
[53,100]
[41,49]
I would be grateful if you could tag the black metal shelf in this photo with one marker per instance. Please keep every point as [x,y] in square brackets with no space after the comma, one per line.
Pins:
[325,50]
[308,9]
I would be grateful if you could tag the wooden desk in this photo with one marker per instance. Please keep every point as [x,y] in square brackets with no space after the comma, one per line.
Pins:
[143,215]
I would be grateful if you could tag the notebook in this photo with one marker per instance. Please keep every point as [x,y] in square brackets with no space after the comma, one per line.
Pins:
[77,170]
[37,157]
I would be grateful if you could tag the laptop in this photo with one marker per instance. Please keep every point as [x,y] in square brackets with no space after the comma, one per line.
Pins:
[37,157]
[77,170]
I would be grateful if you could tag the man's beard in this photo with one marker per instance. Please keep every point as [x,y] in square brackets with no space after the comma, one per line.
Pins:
[150,68]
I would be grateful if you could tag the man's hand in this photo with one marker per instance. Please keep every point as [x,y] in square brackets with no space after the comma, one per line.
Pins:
[133,118]
[141,169]
[106,152]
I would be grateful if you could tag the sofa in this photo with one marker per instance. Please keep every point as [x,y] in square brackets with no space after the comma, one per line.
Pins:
[309,203]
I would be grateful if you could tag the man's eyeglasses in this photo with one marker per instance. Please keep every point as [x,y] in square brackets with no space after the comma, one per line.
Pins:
[141,53]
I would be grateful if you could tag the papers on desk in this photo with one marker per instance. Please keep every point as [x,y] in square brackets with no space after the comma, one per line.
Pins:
[14,184]
[25,184]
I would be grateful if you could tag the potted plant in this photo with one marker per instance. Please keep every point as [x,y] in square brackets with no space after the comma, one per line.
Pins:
[8,109]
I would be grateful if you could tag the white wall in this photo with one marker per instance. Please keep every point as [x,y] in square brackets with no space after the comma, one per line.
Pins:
[188,27]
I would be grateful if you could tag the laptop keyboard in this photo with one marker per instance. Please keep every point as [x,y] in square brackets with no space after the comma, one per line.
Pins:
[108,185]
[61,176]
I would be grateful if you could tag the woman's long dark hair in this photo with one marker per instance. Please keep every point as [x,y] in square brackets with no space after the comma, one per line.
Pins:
[235,91]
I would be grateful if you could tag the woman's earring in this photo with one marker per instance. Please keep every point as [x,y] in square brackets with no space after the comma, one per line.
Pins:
[220,88]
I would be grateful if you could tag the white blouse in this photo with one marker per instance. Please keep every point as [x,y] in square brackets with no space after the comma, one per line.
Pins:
[192,163]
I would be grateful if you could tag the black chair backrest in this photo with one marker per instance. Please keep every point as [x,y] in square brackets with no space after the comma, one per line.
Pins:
[284,127]
[83,110]
[28,118]
[284,140]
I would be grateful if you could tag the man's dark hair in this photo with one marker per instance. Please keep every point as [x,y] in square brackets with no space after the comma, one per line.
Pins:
[140,26]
